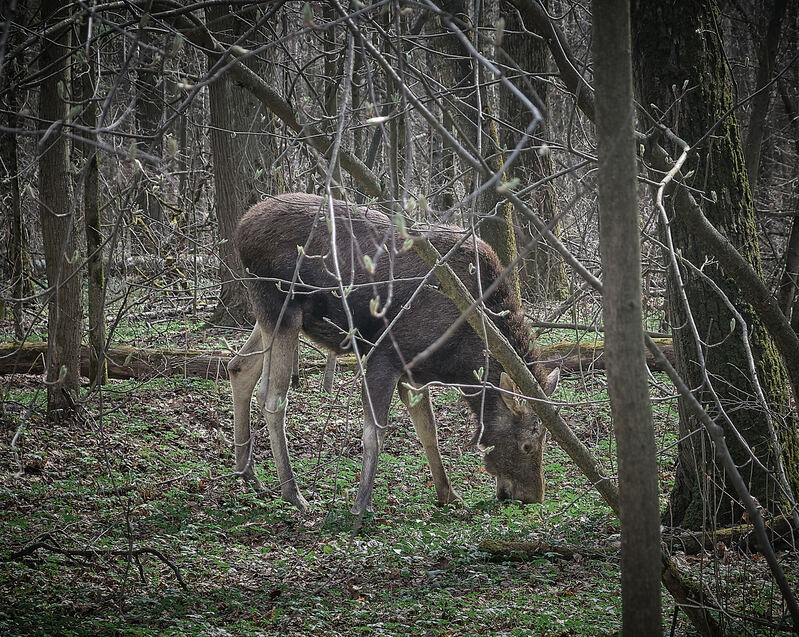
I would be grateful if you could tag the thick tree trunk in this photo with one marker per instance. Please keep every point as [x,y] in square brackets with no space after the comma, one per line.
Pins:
[786,293]
[18,276]
[233,307]
[524,59]
[760,103]
[57,211]
[149,111]
[671,49]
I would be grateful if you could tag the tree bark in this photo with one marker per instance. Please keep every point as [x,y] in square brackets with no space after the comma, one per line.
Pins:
[57,212]
[26,358]
[98,368]
[670,49]
[149,112]
[233,307]
[786,293]
[123,361]
[628,386]
[18,275]
[524,58]
[473,115]
[767,55]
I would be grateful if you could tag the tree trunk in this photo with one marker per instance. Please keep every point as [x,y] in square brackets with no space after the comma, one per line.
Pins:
[760,102]
[57,217]
[628,385]
[525,58]
[786,293]
[17,271]
[672,48]
[233,307]
[149,111]
[256,145]
[98,368]
[472,114]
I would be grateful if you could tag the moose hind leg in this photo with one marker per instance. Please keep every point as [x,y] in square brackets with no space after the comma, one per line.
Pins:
[244,371]
[378,388]
[279,344]
[424,421]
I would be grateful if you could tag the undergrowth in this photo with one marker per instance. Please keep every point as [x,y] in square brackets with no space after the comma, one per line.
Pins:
[149,465]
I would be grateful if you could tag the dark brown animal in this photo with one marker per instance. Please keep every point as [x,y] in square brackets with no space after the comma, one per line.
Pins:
[371,297]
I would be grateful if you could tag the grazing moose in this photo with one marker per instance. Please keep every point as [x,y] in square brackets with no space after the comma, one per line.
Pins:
[323,268]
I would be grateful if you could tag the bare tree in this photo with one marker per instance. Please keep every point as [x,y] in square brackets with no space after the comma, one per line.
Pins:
[86,94]
[621,267]
[233,307]
[711,354]
[57,212]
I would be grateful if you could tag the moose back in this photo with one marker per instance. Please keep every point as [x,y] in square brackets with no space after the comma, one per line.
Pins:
[342,276]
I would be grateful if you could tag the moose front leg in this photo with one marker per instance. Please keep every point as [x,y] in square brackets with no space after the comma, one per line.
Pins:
[378,387]
[424,421]
[280,344]
[244,371]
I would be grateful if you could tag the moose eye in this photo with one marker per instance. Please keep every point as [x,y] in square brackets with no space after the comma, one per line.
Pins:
[527,447]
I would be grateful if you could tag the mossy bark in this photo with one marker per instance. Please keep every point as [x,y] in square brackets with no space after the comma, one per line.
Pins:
[680,51]
[525,59]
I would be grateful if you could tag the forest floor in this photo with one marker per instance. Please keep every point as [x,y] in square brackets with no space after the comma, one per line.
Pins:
[148,465]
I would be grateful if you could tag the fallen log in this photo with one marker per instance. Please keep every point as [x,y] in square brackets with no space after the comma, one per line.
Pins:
[125,361]
[587,356]
[741,537]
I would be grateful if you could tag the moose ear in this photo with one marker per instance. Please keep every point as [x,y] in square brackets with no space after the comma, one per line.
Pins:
[513,403]
[550,382]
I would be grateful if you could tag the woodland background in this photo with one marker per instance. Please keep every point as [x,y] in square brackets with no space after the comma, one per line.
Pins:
[133,135]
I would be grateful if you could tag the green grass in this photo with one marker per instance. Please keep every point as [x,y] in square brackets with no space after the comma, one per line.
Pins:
[153,469]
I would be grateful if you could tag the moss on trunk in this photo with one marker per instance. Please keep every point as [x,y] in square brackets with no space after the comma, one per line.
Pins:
[682,52]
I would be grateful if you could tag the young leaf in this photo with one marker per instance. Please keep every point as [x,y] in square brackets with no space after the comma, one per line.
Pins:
[507,186]
[374,304]
[499,31]
[399,221]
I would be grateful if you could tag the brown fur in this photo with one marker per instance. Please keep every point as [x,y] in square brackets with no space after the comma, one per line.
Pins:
[285,244]
[267,240]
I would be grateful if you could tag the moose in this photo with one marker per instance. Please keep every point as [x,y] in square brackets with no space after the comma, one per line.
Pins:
[343,276]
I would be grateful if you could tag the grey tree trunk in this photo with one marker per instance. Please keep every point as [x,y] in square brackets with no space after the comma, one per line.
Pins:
[57,212]
[760,103]
[471,112]
[149,111]
[233,307]
[525,58]
[624,345]
[98,366]
[17,272]
[670,49]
